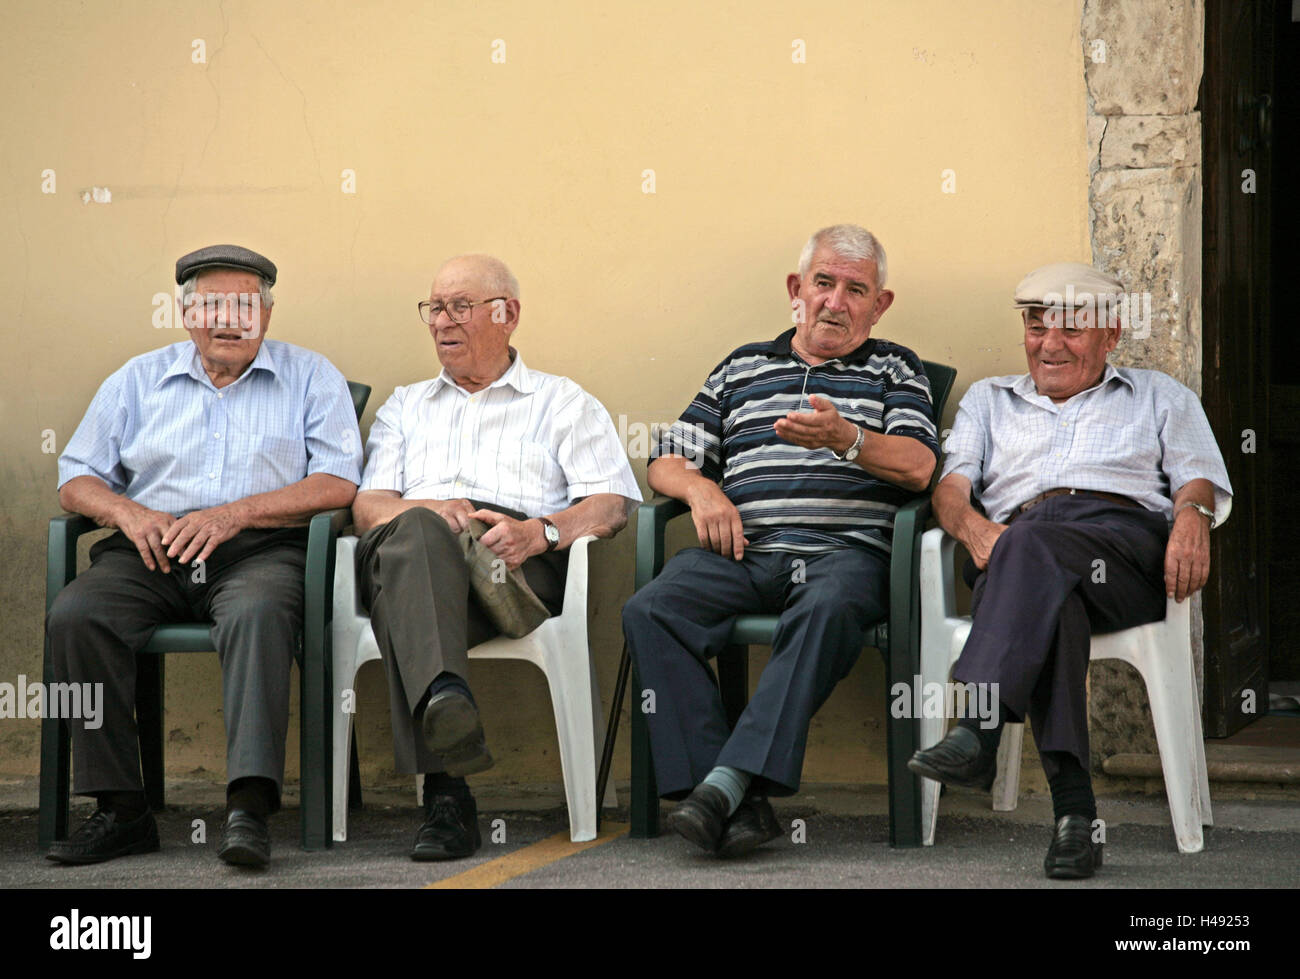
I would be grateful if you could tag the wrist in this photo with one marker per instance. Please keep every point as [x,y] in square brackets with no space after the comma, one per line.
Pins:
[846,438]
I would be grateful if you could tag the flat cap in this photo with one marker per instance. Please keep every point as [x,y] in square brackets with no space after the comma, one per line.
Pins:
[224,257]
[1065,284]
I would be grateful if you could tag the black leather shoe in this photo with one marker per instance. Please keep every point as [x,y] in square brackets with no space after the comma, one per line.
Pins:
[750,826]
[453,732]
[701,817]
[103,837]
[245,840]
[450,829]
[959,759]
[1072,855]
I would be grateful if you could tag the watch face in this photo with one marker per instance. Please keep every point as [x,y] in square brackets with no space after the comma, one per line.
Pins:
[552,533]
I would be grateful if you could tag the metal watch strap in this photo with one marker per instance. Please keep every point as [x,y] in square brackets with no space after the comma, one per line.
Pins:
[851,450]
[1199,508]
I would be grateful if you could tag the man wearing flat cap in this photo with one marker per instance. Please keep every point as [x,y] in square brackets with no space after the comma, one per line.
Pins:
[207,458]
[1075,462]
[489,460]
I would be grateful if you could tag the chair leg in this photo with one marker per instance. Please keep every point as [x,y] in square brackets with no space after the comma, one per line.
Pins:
[52,823]
[569,679]
[901,737]
[149,687]
[1173,713]
[1006,784]
[344,775]
[608,797]
[315,758]
[354,776]
[644,813]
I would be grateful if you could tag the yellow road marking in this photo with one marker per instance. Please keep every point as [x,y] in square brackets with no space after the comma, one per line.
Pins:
[526,860]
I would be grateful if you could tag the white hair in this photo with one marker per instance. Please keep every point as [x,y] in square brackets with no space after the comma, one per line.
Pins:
[190,286]
[847,241]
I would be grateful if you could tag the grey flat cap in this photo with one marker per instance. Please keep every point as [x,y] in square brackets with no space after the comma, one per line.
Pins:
[1062,283]
[224,257]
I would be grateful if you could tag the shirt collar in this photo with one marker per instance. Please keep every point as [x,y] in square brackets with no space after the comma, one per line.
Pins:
[517,376]
[187,361]
[781,346]
[1023,384]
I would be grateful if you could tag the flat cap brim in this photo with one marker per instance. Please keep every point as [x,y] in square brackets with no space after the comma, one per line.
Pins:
[224,257]
[1065,284]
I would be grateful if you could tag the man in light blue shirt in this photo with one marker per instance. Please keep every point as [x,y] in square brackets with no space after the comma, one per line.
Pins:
[1076,465]
[208,457]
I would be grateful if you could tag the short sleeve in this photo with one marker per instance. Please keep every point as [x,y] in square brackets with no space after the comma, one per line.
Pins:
[697,434]
[909,407]
[1188,447]
[589,452]
[964,448]
[386,448]
[330,425]
[95,448]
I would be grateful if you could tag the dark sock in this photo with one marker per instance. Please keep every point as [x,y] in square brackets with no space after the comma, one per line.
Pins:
[440,783]
[989,736]
[450,681]
[127,806]
[254,794]
[1071,787]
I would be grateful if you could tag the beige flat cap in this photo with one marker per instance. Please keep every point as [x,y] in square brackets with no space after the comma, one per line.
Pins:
[1065,284]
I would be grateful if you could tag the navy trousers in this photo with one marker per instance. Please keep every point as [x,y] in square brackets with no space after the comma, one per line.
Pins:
[1065,569]
[683,618]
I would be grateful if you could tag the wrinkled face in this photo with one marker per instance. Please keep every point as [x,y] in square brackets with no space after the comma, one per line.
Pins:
[1066,354]
[841,303]
[226,319]
[477,350]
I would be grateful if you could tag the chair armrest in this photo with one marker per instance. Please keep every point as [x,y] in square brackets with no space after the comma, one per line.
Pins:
[575,582]
[61,554]
[904,584]
[652,518]
[938,575]
[318,594]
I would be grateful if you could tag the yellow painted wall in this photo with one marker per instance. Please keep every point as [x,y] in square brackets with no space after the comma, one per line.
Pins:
[539,160]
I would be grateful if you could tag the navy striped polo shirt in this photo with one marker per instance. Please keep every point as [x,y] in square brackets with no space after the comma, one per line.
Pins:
[792,498]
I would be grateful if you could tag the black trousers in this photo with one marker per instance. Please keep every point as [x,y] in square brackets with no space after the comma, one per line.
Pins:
[1067,568]
[683,618]
[250,589]
[414,580]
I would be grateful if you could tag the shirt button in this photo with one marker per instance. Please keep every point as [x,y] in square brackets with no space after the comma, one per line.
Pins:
[212,475]
[216,435]
[221,394]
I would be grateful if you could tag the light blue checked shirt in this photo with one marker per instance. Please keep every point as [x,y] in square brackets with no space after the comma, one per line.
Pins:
[1138,433]
[160,432]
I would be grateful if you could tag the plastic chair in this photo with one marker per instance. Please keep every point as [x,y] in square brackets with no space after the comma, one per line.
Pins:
[558,647]
[1160,651]
[897,638]
[195,637]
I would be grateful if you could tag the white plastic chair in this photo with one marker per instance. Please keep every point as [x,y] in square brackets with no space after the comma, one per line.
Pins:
[558,647]
[1160,651]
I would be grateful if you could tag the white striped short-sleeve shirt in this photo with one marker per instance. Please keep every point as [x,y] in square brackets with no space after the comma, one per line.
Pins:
[1138,433]
[530,441]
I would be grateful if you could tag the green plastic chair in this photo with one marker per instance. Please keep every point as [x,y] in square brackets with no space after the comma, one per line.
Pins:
[315,690]
[898,638]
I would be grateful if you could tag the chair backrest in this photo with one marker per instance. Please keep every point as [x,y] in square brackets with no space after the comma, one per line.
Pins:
[941,380]
[361,394]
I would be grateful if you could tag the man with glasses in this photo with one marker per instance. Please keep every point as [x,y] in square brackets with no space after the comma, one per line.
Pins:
[1098,487]
[793,458]
[525,462]
[208,458]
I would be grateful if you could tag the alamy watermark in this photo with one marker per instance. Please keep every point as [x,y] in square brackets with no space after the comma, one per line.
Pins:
[55,700]
[921,699]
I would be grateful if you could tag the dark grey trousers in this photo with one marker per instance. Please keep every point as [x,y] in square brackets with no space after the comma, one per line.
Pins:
[252,595]
[414,580]
[1069,567]
[683,618]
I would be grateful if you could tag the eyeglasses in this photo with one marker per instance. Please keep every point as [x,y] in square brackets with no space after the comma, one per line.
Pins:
[460,310]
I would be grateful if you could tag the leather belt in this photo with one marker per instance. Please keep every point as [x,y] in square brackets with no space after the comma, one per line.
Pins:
[1112,497]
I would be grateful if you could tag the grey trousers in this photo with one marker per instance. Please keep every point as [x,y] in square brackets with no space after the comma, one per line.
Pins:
[414,580]
[252,594]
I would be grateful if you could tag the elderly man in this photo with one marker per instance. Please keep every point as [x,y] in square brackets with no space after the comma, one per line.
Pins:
[208,458]
[1099,487]
[793,458]
[534,458]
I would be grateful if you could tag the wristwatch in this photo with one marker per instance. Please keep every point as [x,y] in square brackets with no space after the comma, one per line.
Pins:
[1199,508]
[551,532]
[852,452]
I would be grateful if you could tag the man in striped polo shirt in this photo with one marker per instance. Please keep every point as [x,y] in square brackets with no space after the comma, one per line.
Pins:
[793,458]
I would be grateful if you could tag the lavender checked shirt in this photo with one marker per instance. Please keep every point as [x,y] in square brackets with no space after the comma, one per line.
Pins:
[1138,433]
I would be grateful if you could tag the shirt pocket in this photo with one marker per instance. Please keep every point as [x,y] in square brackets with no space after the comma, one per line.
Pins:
[271,462]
